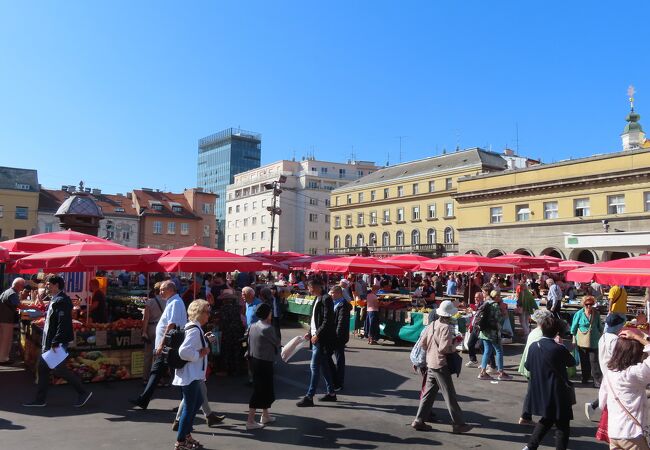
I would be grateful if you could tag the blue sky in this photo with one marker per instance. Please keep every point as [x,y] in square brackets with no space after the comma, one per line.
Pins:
[117,93]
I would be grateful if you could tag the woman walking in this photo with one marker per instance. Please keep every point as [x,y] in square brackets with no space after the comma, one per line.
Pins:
[587,329]
[194,350]
[263,348]
[490,336]
[549,392]
[623,391]
[438,342]
[526,305]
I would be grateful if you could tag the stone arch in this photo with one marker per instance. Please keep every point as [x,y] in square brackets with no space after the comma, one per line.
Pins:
[495,252]
[584,255]
[473,252]
[552,251]
[611,256]
[524,251]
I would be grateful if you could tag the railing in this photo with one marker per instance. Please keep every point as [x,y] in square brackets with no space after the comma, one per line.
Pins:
[422,249]
[329,176]
[227,134]
[254,180]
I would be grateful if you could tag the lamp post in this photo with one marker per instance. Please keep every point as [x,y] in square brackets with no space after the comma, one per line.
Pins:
[273,209]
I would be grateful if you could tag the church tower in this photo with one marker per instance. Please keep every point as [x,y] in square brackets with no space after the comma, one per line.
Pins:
[633,136]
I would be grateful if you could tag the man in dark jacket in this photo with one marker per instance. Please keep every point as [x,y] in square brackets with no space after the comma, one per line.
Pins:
[342,310]
[57,334]
[9,301]
[322,334]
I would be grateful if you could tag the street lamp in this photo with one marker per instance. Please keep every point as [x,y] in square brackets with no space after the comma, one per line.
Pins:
[273,209]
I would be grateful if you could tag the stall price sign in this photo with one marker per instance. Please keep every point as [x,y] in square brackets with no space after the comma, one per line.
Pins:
[137,364]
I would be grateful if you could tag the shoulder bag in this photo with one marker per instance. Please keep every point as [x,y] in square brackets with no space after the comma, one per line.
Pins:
[583,339]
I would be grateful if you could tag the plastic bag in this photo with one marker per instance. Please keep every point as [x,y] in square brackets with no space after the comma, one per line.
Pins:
[292,347]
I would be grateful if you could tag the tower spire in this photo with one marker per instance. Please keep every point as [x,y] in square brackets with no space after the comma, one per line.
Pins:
[633,136]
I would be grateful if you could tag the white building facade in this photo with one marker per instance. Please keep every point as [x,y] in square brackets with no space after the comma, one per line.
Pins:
[304,223]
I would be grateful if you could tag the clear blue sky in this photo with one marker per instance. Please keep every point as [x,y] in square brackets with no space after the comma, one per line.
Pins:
[117,93]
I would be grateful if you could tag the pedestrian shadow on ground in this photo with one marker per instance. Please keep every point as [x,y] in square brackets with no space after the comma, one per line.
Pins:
[311,432]
[9,425]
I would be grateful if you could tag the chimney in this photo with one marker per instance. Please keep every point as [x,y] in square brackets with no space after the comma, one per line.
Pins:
[508,152]
[129,195]
[64,188]
[97,191]
[87,190]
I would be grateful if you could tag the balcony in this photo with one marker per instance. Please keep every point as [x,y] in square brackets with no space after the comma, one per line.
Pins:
[433,250]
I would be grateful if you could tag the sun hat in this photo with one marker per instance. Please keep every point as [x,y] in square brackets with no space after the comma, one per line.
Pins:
[446,309]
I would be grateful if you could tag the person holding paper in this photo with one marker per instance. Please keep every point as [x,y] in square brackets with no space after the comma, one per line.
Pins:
[57,334]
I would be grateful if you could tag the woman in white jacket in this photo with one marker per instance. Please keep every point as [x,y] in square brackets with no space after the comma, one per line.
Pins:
[194,350]
[623,391]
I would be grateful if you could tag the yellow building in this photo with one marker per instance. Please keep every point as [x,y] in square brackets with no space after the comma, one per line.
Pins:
[406,208]
[18,202]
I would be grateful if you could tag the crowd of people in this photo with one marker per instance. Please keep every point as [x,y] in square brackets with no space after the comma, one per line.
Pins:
[611,357]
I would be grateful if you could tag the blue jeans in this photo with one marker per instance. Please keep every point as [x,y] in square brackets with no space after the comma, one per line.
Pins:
[372,325]
[319,365]
[488,348]
[192,400]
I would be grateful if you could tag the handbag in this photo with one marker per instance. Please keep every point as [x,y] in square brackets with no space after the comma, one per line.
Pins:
[603,427]
[583,339]
[455,363]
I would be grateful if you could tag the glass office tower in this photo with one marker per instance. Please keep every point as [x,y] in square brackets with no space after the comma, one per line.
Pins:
[222,156]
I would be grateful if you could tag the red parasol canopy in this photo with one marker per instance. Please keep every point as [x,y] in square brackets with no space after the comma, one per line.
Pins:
[83,256]
[357,264]
[523,261]
[45,241]
[202,259]
[569,264]
[407,262]
[4,255]
[272,265]
[468,263]
[627,271]
[276,256]
[305,262]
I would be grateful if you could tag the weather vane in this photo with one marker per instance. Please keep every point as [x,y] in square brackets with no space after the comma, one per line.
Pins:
[630,94]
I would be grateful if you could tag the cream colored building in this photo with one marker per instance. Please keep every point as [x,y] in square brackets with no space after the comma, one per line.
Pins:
[18,202]
[406,208]
[304,223]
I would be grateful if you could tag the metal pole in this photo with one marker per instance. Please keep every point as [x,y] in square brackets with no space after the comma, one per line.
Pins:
[273,217]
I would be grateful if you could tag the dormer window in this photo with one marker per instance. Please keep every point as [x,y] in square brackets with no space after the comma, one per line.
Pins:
[177,209]
[157,207]
[119,210]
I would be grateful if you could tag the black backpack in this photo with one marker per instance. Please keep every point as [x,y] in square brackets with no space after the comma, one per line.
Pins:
[172,342]
[484,320]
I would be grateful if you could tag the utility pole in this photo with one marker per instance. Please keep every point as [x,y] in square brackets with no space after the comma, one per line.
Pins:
[273,209]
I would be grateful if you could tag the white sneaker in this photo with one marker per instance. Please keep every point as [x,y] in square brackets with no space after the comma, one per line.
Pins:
[254,426]
[588,410]
[472,364]
[264,421]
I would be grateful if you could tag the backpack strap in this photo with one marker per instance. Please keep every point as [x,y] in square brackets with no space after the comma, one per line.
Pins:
[203,344]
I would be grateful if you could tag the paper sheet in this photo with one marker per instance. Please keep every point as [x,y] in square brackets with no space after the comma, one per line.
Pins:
[54,357]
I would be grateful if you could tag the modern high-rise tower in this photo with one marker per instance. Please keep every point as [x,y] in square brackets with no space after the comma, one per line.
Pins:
[222,156]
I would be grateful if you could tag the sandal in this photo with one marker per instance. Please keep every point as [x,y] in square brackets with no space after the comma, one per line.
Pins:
[192,443]
[182,446]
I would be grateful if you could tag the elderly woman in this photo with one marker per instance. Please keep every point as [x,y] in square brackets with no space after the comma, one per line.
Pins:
[534,336]
[438,342]
[194,350]
[263,348]
[587,329]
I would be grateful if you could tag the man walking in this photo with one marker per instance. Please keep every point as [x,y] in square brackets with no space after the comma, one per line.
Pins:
[174,316]
[554,297]
[9,301]
[56,336]
[342,310]
[322,334]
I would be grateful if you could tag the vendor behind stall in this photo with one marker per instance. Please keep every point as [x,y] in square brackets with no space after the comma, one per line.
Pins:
[98,308]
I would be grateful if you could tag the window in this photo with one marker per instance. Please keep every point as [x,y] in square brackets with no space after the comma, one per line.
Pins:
[313,184]
[157,206]
[400,191]
[327,202]
[244,237]
[22,212]
[581,207]
[253,220]
[157,227]
[245,207]
[448,183]
[359,240]
[523,213]
[237,208]
[616,204]
[373,196]
[416,188]
[348,220]
[2,210]
[119,210]
[415,237]
[236,238]
[253,235]
[336,202]
[237,223]
[348,241]
[20,233]
[313,235]
[341,173]
[449,235]
[432,186]
[349,199]
[360,197]
[337,221]
[185,229]
[373,217]
[229,239]
[337,242]
[230,210]
[263,203]
[177,209]
[263,219]
[23,187]
[262,234]
[360,173]
[399,238]
[415,215]
[372,239]
[327,235]
[246,222]
[313,217]
[327,218]
[171,227]
[431,211]
[431,236]
[207,208]
[323,170]
[550,210]
[400,215]
[385,239]
[496,214]
[206,230]
[386,215]
[360,219]
[126,235]
[313,201]
[385,192]
[254,205]
[449,209]
[49,227]
[646,201]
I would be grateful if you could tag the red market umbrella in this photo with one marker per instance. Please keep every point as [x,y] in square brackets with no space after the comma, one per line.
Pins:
[305,262]
[569,264]
[272,265]
[468,263]
[357,264]
[523,261]
[407,262]
[45,241]
[4,255]
[627,271]
[85,256]
[196,258]
[276,256]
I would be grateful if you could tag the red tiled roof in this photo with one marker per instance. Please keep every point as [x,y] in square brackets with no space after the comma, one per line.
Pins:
[49,200]
[167,200]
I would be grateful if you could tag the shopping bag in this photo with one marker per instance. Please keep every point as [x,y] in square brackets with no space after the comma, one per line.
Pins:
[292,347]
[601,433]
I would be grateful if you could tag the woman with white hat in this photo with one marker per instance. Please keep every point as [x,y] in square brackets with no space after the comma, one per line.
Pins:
[438,342]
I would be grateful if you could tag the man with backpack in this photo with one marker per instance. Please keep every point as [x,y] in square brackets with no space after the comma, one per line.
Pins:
[490,319]
[174,316]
